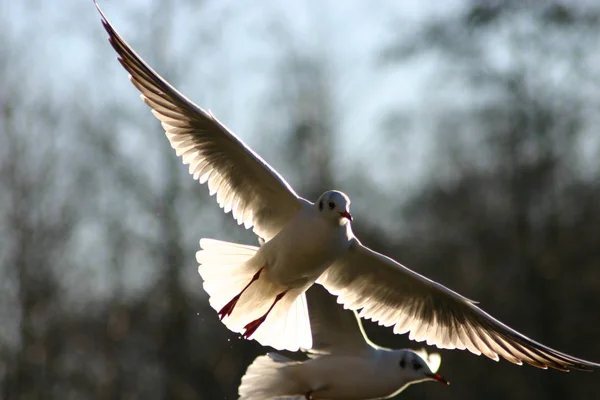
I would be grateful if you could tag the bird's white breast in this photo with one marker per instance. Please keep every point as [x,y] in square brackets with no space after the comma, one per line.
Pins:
[303,249]
[349,377]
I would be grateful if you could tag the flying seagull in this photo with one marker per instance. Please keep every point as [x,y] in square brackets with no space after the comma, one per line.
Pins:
[307,242]
[343,364]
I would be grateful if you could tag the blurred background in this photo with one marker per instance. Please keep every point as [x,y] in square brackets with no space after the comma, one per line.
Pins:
[464,131]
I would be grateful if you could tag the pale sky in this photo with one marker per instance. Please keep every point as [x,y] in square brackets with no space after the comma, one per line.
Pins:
[70,50]
[230,73]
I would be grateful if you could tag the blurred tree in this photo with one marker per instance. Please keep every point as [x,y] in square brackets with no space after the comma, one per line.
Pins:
[302,109]
[37,224]
[158,192]
[99,292]
[510,192]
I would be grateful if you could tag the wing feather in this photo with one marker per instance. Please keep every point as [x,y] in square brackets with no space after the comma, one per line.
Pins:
[393,295]
[334,329]
[243,182]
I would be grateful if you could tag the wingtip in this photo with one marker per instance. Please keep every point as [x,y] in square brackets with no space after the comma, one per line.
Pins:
[591,367]
[97,6]
[103,18]
[99,9]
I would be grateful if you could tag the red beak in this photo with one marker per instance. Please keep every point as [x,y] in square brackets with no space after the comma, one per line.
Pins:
[438,378]
[346,214]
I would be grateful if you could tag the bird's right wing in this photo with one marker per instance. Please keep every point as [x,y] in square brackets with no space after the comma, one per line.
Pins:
[335,330]
[243,182]
[433,360]
[388,292]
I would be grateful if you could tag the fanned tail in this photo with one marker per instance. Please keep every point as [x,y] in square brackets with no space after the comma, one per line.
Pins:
[226,269]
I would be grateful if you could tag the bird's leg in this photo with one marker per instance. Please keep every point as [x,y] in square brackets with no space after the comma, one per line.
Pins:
[228,308]
[253,326]
[309,396]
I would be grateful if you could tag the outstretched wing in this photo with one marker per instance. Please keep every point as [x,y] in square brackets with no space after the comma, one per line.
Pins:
[335,330]
[394,295]
[243,182]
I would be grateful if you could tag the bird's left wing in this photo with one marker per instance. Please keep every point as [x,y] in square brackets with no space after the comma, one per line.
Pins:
[335,330]
[393,295]
[243,182]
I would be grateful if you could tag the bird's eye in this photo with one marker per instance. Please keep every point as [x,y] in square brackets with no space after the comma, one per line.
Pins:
[417,366]
[331,205]
[402,363]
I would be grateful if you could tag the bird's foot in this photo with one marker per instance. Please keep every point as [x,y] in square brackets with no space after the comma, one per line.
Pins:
[309,396]
[254,325]
[251,327]
[228,308]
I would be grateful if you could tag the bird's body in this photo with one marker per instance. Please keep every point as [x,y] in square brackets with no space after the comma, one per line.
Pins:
[304,248]
[331,377]
[344,364]
[349,376]
[260,292]
[273,280]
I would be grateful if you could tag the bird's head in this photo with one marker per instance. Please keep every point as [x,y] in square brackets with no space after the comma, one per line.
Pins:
[416,369]
[334,206]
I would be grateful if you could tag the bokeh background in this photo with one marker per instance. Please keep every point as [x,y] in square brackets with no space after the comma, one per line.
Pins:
[465,132]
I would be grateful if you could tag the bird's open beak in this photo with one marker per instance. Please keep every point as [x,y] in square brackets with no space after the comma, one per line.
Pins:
[438,378]
[346,214]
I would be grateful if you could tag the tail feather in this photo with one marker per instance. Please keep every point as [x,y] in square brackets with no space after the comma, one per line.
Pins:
[287,327]
[226,269]
[266,378]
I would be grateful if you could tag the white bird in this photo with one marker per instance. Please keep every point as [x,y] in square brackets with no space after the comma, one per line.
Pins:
[344,363]
[307,242]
